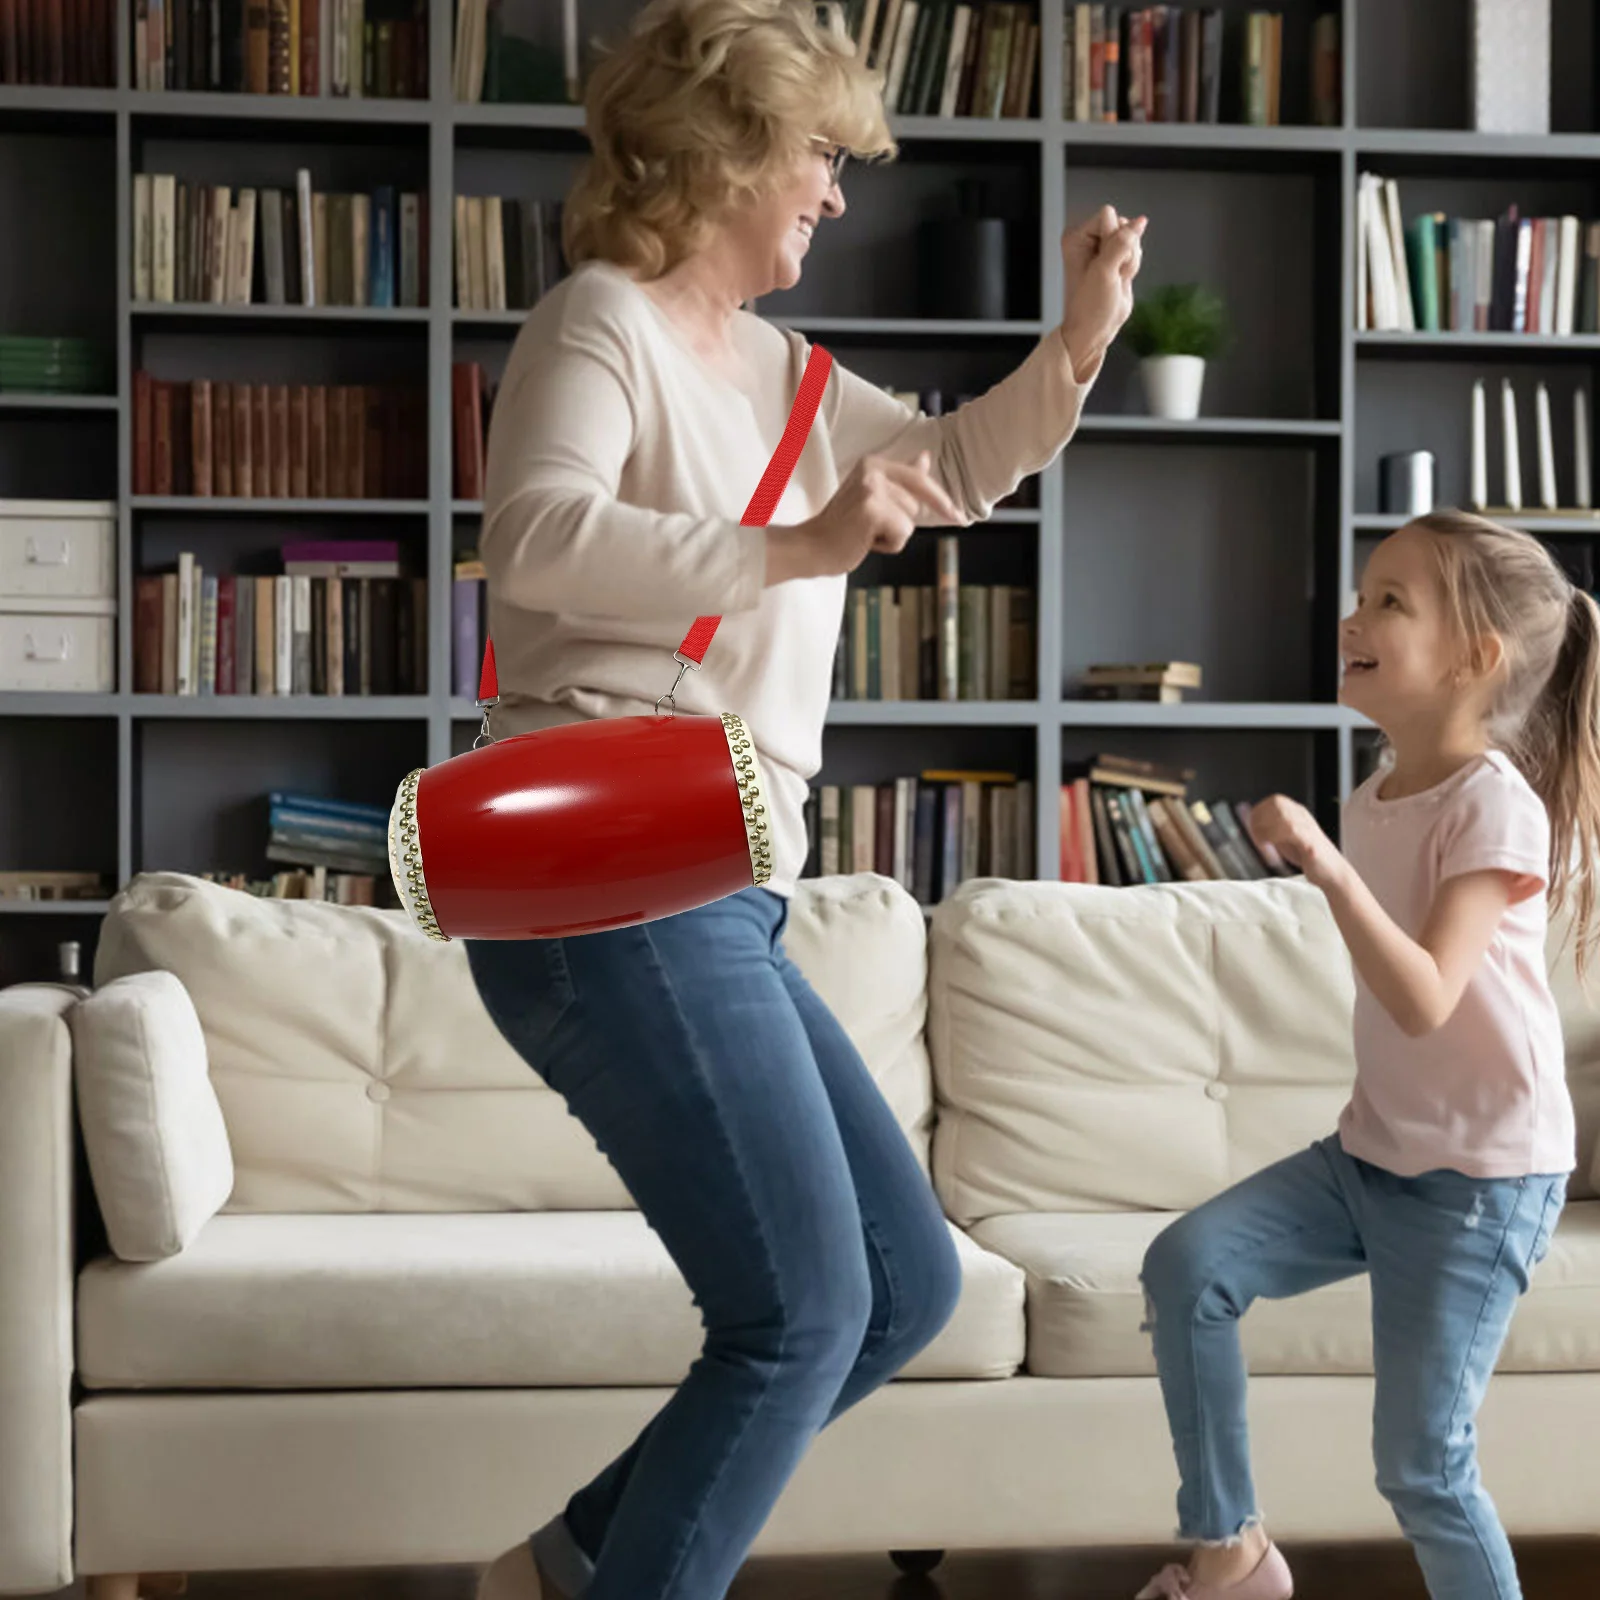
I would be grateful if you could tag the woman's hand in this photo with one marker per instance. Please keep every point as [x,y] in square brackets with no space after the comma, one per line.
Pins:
[1285,825]
[877,507]
[1101,258]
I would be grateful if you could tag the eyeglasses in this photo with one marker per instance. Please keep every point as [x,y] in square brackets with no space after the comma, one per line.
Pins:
[834,154]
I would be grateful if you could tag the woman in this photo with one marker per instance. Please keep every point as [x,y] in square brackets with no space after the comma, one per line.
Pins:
[638,410]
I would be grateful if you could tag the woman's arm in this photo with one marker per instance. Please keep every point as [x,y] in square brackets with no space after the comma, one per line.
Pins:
[1420,981]
[981,451]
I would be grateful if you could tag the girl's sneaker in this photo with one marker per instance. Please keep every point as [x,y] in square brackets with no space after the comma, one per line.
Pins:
[1269,1581]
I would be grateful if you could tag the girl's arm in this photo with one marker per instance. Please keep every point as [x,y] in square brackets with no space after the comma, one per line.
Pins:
[1419,982]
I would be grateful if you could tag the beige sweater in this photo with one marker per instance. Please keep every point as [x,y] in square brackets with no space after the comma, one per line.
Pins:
[618,467]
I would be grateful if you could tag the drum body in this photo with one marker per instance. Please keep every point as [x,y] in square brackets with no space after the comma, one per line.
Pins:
[579,828]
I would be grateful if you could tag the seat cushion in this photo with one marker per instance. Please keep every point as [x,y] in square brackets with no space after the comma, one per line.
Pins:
[508,1300]
[1086,1307]
[357,1069]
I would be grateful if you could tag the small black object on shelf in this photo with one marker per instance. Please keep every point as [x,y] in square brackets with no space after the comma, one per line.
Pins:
[963,269]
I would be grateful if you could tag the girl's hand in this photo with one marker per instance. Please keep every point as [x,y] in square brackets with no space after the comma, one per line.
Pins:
[1281,824]
[1101,258]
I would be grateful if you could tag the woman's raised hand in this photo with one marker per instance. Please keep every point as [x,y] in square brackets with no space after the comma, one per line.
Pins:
[877,507]
[1101,258]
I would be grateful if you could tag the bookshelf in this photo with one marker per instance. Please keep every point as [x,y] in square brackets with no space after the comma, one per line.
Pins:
[1231,540]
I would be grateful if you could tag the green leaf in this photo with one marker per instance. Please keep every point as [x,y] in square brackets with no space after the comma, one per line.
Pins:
[1179,319]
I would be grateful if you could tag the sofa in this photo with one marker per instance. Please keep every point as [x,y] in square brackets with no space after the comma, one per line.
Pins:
[301,1266]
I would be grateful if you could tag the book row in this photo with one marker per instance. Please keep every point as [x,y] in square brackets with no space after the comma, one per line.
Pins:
[203,243]
[57,43]
[260,441]
[978,60]
[508,251]
[204,633]
[345,48]
[930,832]
[943,641]
[1505,274]
[1187,64]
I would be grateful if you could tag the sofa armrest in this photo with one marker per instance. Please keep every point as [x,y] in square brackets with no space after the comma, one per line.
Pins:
[36,1287]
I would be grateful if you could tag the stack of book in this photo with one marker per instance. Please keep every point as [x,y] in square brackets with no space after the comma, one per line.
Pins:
[499,67]
[354,48]
[1505,274]
[1127,821]
[336,835]
[929,833]
[264,441]
[207,243]
[340,619]
[508,252]
[1162,681]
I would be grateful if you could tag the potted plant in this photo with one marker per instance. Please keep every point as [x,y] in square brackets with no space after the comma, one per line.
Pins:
[1175,330]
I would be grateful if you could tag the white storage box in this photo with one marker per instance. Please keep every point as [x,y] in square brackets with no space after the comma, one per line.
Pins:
[66,549]
[64,645]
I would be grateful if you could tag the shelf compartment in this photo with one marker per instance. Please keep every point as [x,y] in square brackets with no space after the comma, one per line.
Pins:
[62,772]
[200,786]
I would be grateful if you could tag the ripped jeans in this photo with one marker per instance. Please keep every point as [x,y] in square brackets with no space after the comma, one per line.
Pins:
[1448,1257]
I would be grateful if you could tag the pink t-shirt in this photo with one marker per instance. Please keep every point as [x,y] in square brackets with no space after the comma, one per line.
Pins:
[1486,1093]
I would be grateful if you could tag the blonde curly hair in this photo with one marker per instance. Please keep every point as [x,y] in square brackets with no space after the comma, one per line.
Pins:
[703,106]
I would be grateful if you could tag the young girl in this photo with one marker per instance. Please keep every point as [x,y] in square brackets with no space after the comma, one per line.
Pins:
[1480,663]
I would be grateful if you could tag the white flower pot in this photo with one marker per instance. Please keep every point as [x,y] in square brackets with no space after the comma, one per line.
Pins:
[1172,386]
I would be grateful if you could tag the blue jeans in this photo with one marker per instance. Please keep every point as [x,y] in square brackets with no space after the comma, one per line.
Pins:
[1448,1257]
[748,1130]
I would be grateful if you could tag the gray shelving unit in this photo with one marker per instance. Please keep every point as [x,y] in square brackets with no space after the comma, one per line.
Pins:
[1233,539]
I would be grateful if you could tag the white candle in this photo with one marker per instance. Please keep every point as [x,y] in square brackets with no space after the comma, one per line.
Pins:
[1547,448]
[1480,452]
[1513,448]
[1580,452]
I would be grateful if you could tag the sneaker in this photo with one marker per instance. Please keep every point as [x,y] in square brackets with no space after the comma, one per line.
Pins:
[1270,1581]
[516,1576]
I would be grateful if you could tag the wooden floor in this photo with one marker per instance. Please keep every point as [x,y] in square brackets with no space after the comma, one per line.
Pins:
[1554,1571]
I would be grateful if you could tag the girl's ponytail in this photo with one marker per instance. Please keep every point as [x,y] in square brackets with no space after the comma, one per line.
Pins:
[1560,753]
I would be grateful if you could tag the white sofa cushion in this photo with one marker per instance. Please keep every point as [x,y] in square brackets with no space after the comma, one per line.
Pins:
[1099,1049]
[511,1300]
[1086,1306]
[358,1070]
[153,1132]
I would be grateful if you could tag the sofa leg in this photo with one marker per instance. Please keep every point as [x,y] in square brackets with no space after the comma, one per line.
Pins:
[916,1563]
[162,1585]
[114,1586]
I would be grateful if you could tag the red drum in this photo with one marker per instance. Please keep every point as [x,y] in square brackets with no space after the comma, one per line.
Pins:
[579,828]
[599,824]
